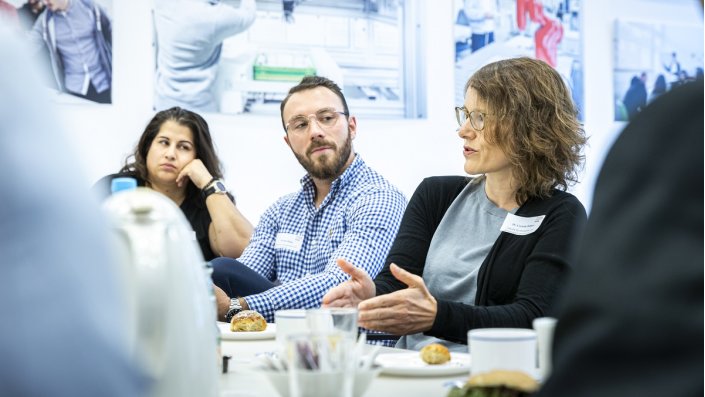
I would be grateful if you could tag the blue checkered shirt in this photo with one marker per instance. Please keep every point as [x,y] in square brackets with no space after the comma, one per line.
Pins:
[357,221]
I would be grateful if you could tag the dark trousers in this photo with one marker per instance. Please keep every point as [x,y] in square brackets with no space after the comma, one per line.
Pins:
[95,96]
[237,279]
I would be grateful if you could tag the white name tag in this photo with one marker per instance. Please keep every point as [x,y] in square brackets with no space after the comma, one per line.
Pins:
[520,225]
[288,241]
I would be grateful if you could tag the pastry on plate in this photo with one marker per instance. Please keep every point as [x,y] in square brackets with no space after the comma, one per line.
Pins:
[435,353]
[248,321]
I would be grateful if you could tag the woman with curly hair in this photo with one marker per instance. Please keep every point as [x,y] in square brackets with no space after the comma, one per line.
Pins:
[492,249]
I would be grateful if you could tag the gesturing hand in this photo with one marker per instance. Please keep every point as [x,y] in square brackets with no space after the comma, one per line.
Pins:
[403,312]
[352,292]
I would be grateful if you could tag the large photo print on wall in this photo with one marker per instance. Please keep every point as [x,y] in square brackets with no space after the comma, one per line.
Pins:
[243,56]
[489,30]
[651,58]
[72,43]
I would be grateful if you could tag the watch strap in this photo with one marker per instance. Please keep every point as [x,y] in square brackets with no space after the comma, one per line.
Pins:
[235,308]
[215,186]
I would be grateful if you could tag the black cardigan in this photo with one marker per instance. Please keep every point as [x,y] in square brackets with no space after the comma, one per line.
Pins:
[519,278]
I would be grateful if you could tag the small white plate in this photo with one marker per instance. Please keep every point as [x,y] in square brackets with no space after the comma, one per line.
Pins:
[226,334]
[410,364]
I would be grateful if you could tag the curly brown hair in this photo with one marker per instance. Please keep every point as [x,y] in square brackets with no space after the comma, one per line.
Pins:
[534,123]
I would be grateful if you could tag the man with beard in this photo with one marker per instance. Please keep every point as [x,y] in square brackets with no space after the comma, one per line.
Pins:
[344,209]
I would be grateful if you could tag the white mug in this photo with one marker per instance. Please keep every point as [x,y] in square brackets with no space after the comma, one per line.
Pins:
[502,348]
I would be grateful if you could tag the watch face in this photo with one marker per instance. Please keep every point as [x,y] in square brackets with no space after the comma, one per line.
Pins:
[220,187]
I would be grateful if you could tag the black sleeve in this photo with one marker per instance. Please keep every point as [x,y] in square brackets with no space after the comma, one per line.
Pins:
[525,276]
[421,218]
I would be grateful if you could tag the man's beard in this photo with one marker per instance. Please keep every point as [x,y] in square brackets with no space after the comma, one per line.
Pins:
[326,167]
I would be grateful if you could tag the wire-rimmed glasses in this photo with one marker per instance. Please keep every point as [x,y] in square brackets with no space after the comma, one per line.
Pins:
[326,118]
[477,118]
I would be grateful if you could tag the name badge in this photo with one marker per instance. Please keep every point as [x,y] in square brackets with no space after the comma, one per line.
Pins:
[521,226]
[289,242]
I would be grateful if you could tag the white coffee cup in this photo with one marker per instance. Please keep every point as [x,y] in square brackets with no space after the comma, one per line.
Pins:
[290,321]
[502,348]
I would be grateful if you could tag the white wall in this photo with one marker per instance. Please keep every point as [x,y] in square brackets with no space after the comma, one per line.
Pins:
[598,54]
[259,166]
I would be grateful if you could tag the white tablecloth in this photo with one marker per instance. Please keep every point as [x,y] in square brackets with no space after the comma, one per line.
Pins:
[243,379]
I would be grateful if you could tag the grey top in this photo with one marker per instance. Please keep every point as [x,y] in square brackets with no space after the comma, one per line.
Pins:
[76,43]
[462,241]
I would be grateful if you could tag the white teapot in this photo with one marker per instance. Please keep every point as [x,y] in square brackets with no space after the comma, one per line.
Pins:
[172,310]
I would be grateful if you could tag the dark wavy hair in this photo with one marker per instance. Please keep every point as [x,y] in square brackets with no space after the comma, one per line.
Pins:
[137,162]
[534,122]
[309,83]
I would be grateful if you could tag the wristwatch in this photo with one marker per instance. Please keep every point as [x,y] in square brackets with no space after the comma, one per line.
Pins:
[235,308]
[215,186]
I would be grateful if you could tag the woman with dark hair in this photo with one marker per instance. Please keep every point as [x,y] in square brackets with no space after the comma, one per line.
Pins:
[635,98]
[175,156]
[660,87]
[491,250]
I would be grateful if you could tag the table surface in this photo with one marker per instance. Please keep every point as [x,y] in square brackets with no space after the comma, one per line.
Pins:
[244,380]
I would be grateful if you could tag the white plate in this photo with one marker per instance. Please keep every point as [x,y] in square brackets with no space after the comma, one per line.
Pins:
[227,334]
[410,364]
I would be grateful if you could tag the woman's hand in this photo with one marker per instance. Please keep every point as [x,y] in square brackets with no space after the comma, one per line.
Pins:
[352,292]
[196,172]
[403,312]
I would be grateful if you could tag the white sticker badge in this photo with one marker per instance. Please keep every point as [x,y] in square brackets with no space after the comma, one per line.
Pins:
[288,241]
[521,226]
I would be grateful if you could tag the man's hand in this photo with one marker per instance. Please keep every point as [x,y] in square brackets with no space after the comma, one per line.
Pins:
[403,312]
[352,292]
[222,302]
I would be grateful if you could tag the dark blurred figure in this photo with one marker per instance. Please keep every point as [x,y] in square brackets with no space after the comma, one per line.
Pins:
[631,322]
[660,87]
[63,331]
[29,12]
[635,98]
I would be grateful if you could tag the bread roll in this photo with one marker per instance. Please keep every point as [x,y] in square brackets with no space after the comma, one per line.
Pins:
[515,380]
[435,354]
[248,321]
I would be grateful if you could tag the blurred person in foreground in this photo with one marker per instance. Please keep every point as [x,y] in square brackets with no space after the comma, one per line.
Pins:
[8,14]
[490,250]
[343,209]
[60,301]
[29,12]
[631,320]
[176,157]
